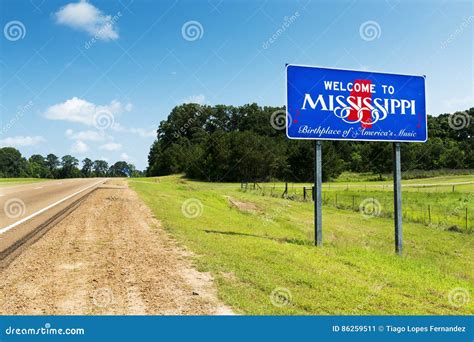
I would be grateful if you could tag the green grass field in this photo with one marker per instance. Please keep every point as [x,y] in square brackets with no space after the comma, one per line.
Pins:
[260,252]
[14,181]
[445,202]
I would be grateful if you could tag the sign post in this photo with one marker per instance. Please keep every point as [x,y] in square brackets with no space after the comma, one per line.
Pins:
[334,104]
[397,197]
[318,200]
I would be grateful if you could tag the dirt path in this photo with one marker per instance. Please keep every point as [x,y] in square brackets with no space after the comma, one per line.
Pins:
[110,256]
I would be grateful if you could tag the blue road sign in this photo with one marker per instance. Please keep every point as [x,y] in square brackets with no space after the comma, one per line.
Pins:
[333,104]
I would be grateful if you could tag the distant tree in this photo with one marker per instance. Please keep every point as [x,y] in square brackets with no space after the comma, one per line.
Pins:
[38,167]
[87,165]
[119,169]
[12,164]
[52,163]
[69,167]
[100,168]
[229,143]
[377,156]
[38,159]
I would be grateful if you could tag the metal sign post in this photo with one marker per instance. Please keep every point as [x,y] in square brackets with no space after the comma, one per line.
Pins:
[318,200]
[334,104]
[397,197]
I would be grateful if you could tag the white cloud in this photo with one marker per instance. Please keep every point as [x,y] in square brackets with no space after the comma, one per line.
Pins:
[79,147]
[20,141]
[111,146]
[124,156]
[86,135]
[454,104]
[82,111]
[144,133]
[86,17]
[199,99]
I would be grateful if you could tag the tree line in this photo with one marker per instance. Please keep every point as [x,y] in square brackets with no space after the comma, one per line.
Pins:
[235,143]
[13,164]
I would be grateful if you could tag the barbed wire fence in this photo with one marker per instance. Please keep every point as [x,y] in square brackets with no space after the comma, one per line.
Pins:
[457,218]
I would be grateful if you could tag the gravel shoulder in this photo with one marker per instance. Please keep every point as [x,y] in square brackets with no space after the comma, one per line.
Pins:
[110,256]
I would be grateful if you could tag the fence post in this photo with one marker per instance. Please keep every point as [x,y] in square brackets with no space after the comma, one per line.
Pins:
[336,199]
[353,203]
[286,190]
[453,188]
[429,213]
[304,193]
[466,218]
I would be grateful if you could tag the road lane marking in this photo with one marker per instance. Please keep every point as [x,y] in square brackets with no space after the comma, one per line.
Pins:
[13,225]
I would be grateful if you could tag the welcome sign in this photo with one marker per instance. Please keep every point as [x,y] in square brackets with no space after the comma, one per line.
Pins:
[333,104]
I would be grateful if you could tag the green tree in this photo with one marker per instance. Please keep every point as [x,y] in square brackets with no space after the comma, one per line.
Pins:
[12,164]
[100,168]
[87,166]
[52,163]
[38,167]
[229,143]
[119,169]
[69,167]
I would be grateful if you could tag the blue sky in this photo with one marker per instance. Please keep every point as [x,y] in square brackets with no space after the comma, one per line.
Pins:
[64,92]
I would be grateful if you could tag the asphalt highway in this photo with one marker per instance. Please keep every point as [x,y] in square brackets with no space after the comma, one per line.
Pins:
[25,207]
